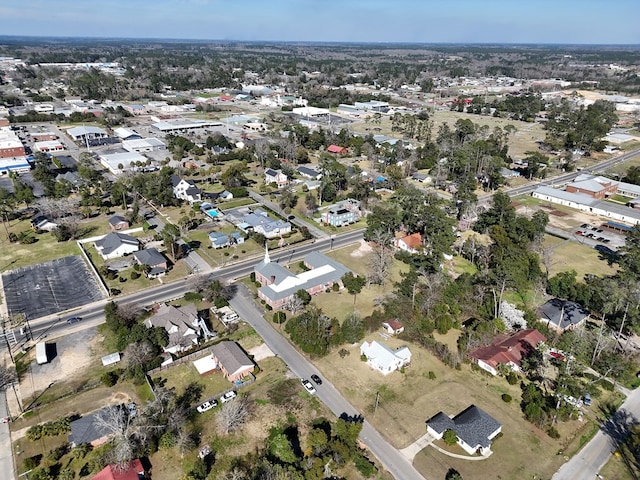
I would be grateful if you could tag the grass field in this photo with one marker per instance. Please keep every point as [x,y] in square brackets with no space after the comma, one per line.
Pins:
[581,258]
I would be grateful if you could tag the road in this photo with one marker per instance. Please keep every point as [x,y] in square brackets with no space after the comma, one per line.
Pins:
[595,454]
[388,455]
[6,457]
[93,314]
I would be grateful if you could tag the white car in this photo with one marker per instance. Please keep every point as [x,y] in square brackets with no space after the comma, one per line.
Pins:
[208,405]
[308,386]
[228,396]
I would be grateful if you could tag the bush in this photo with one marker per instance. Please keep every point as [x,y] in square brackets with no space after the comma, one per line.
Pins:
[506,397]
[134,275]
[365,466]
[432,375]
[193,296]
[363,357]
[512,378]
[279,317]
[450,437]
[335,287]
[553,432]
[32,462]
[109,379]
[57,453]
[607,385]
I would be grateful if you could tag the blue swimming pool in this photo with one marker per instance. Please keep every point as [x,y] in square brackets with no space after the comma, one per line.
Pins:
[213,213]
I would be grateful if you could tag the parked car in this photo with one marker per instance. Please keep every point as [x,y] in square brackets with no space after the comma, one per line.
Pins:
[316,379]
[587,400]
[585,225]
[228,396]
[208,405]
[73,319]
[579,232]
[308,386]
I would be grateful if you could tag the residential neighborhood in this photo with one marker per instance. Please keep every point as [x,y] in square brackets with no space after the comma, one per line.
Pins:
[273,259]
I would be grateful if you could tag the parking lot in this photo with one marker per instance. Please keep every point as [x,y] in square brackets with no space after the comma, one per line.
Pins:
[600,235]
[47,288]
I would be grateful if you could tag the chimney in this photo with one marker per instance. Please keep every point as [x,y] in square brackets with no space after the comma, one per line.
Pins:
[272,280]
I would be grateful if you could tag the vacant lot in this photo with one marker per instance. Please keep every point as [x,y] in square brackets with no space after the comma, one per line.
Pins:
[581,258]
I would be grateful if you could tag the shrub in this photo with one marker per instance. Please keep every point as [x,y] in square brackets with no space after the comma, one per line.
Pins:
[279,317]
[109,379]
[553,432]
[365,466]
[335,287]
[192,296]
[57,453]
[252,275]
[32,462]
[450,437]
[506,397]
[268,307]
[134,275]
[432,375]
[363,357]
[512,378]
[343,352]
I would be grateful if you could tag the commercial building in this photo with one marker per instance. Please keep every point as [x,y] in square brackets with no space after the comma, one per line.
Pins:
[117,163]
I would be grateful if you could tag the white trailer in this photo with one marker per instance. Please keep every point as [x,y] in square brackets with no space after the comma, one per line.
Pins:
[41,353]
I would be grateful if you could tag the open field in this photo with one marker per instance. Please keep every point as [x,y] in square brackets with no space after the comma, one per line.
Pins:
[523,140]
[581,258]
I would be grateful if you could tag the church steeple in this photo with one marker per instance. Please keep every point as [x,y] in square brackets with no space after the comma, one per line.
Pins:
[266,254]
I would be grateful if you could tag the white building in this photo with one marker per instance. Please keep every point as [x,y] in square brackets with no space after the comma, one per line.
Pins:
[382,358]
[143,145]
[117,163]
[48,146]
[86,133]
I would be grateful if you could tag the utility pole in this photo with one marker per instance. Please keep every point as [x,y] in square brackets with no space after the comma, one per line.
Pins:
[375,409]
[4,334]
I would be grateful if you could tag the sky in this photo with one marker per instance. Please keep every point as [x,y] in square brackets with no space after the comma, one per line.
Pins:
[415,21]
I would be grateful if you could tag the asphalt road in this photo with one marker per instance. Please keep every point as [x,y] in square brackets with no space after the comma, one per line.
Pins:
[595,454]
[93,314]
[388,455]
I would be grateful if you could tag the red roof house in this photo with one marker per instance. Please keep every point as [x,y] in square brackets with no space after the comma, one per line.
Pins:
[337,149]
[393,326]
[507,350]
[132,471]
[410,243]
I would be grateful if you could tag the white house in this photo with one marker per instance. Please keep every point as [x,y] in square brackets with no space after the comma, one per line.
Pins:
[393,326]
[114,245]
[275,176]
[185,189]
[382,358]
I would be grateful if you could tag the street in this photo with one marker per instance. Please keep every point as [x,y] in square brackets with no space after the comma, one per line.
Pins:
[388,455]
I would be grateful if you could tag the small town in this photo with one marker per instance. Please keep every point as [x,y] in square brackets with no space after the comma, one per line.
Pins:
[316,259]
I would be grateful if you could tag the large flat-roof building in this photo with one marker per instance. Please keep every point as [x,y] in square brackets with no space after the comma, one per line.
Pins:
[117,163]
[86,133]
[143,145]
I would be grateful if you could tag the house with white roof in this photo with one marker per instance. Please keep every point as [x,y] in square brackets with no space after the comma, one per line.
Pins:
[382,358]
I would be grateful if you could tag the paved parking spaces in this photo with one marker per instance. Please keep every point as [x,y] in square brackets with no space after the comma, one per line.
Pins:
[46,288]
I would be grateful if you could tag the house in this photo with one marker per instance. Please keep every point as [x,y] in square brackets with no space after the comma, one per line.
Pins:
[43,222]
[132,470]
[231,359]
[156,262]
[337,150]
[342,213]
[474,427]
[382,358]
[410,243]
[421,177]
[562,315]
[393,326]
[114,245]
[87,428]
[185,189]
[275,176]
[118,222]
[181,323]
[507,350]
[72,177]
[222,240]
[279,285]
[260,222]
[226,195]
[309,173]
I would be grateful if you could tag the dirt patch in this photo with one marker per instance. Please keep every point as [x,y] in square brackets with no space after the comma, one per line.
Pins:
[362,250]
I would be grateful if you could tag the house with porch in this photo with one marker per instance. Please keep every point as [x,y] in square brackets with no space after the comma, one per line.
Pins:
[275,176]
[185,189]
[474,427]
[507,350]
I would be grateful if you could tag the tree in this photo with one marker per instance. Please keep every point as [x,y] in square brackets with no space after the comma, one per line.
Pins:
[304,296]
[353,284]
[232,415]
[450,437]
[352,328]
[311,202]
[381,258]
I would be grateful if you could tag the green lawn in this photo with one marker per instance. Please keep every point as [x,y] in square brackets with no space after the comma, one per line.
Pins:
[179,376]
[581,258]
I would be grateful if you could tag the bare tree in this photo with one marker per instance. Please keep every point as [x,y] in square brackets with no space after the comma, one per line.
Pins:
[137,354]
[294,304]
[129,311]
[381,258]
[232,415]
[118,425]
[7,376]
[197,282]
[262,151]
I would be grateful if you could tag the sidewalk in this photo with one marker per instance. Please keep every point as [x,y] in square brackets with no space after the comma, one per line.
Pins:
[6,453]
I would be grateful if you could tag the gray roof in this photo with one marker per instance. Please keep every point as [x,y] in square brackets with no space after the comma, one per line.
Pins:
[562,313]
[279,274]
[268,224]
[183,318]
[112,241]
[271,172]
[473,426]
[150,256]
[231,356]
[582,198]
[590,185]
[309,172]
[84,429]
[117,219]
[71,177]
